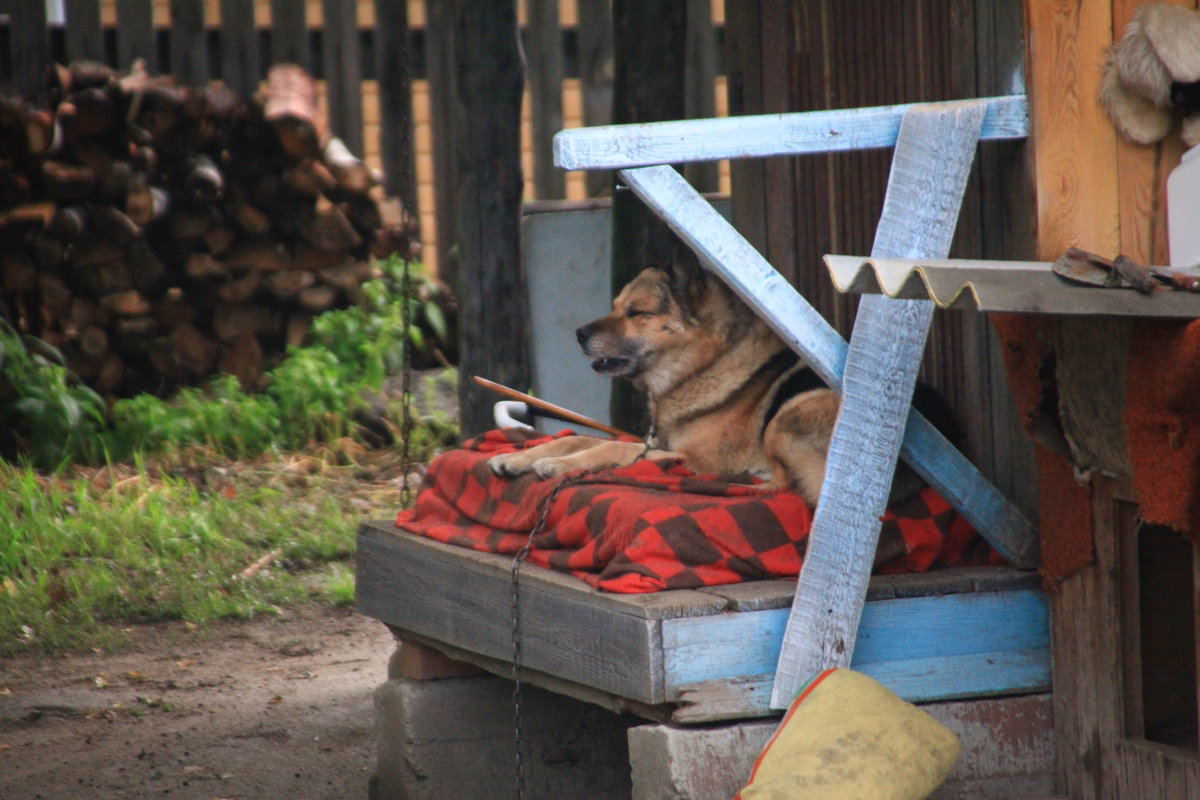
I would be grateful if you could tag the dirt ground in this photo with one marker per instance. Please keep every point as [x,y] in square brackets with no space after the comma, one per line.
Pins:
[270,708]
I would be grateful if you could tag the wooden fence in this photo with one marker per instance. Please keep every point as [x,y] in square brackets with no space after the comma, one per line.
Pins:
[380,63]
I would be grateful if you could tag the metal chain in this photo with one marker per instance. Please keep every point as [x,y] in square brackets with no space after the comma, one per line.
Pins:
[521,555]
[406,184]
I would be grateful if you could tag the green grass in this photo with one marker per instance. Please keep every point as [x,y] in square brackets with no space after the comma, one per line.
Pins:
[88,551]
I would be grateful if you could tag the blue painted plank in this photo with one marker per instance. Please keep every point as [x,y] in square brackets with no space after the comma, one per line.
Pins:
[759,135]
[975,675]
[743,644]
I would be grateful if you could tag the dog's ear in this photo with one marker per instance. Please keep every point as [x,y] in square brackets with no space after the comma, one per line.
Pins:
[687,280]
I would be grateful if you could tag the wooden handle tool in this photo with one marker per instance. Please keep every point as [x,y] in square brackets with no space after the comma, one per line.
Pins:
[549,408]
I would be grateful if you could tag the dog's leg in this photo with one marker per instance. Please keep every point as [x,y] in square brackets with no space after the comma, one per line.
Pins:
[796,442]
[518,462]
[605,455]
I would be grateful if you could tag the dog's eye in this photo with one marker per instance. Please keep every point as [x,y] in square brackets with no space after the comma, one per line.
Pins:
[635,312]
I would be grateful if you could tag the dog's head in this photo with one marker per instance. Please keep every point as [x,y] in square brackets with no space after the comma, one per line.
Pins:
[655,332]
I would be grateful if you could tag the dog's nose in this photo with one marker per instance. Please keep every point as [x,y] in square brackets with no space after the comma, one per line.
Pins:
[583,334]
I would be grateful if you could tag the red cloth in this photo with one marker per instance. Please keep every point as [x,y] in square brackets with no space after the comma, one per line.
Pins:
[652,525]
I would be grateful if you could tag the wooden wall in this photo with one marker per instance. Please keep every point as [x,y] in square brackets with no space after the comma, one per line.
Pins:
[1097,191]
[799,55]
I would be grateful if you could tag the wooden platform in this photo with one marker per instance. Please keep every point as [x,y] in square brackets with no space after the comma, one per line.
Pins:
[705,655]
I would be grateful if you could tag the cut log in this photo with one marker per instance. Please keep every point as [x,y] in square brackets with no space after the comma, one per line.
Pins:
[110,375]
[330,229]
[263,255]
[287,283]
[290,106]
[297,329]
[67,183]
[201,266]
[126,304]
[193,350]
[318,298]
[351,173]
[243,358]
[18,274]
[93,341]
[240,289]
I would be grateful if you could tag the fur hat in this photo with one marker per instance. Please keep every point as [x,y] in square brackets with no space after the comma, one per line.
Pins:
[1148,77]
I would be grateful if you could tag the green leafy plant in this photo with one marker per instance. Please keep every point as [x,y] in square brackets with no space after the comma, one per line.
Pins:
[46,414]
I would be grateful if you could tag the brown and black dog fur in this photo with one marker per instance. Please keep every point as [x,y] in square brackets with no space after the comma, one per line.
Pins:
[726,394]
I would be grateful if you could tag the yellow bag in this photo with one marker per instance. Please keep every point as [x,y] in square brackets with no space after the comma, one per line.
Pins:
[848,737]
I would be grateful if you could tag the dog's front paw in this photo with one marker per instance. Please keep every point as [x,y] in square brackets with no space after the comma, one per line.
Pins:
[510,465]
[550,467]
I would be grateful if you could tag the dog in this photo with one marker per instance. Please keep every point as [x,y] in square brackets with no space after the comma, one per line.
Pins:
[726,394]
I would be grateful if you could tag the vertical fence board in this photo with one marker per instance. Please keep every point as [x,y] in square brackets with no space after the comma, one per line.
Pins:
[699,78]
[135,34]
[392,62]
[595,56]
[289,34]
[239,47]
[29,44]
[82,32]
[443,100]
[341,60]
[188,50]
[544,75]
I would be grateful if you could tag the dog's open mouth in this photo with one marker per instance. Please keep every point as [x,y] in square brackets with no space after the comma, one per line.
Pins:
[612,366]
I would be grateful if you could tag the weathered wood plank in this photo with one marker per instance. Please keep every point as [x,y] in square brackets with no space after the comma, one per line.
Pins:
[916,629]
[188,50]
[725,252]
[83,34]
[239,47]
[29,44]
[595,56]
[934,153]
[342,65]
[135,34]
[758,135]
[289,33]
[544,75]
[396,150]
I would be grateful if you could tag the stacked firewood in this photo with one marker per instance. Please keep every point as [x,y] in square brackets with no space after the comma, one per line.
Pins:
[157,234]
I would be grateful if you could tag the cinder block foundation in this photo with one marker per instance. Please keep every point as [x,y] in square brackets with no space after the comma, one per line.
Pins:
[453,738]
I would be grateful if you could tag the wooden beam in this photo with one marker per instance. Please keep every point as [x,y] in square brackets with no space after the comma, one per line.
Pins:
[188,43]
[29,40]
[84,34]
[343,71]
[759,135]
[724,251]
[135,34]
[934,153]
[392,70]
[487,146]
[544,64]
[289,33]
[239,47]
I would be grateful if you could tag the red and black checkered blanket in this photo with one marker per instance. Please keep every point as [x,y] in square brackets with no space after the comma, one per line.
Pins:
[654,525]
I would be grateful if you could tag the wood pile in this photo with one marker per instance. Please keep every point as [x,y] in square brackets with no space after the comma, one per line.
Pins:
[157,234]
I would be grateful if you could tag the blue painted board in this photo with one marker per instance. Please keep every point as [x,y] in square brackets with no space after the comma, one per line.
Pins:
[974,675]
[732,645]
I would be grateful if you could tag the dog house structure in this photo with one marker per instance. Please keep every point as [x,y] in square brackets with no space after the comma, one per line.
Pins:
[1069,673]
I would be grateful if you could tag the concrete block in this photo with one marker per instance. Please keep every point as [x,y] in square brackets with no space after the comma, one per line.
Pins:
[454,738]
[420,663]
[673,763]
[1008,753]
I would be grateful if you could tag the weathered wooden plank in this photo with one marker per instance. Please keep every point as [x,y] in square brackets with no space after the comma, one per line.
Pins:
[934,153]
[188,51]
[465,603]
[342,64]
[758,135]
[29,44]
[289,33]
[699,82]
[595,57]
[239,47]
[83,34]
[781,306]
[135,34]
[396,150]
[924,629]
[544,75]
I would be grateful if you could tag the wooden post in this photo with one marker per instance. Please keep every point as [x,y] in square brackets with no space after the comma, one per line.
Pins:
[84,35]
[135,34]
[189,43]
[443,101]
[395,101]
[487,144]
[595,44]
[343,71]
[289,34]
[700,75]
[650,46]
[919,217]
[29,41]
[239,47]
[543,56]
